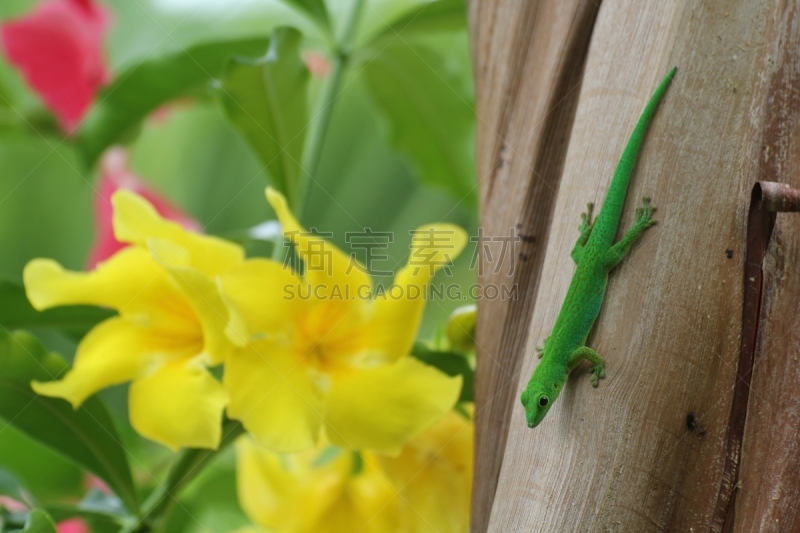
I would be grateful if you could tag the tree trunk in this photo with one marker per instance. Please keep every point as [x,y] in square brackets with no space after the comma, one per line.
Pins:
[668,441]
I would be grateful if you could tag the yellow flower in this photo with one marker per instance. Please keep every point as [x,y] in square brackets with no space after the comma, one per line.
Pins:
[426,489]
[308,492]
[173,323]
[327,358]
[435,466]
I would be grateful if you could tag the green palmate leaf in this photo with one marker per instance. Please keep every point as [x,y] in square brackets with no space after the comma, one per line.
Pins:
[430,118]
[17,313]
[265,100]
[314,9]
[439,15]
[86,435]
[450,363]
[38,521]
[143,88]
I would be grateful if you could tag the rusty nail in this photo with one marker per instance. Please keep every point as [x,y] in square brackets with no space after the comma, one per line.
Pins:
[777,197]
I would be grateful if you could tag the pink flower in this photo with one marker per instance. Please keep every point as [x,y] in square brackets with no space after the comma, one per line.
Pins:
[73,525]
[115,175]
[59,49]
[7,502]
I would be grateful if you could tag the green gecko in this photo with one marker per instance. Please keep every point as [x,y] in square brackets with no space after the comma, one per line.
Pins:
[596,255]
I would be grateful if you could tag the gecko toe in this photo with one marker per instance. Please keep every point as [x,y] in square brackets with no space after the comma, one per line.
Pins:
[598,373]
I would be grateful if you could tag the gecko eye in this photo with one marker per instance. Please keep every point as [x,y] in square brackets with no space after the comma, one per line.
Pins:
[543,401]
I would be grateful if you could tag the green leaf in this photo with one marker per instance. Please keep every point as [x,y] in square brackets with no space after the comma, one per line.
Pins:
[452,364]
[431,119]
[38,521]
[86,435]
[38,471]
[143,88]
[17,313]
[439,15]
[266,102]
[314,9]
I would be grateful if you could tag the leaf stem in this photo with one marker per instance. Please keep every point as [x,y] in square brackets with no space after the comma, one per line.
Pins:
[312,151]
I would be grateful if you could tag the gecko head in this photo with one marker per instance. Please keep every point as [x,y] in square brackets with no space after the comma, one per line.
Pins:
[537,402]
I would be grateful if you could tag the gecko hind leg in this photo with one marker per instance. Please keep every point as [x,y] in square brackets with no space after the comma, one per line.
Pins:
[598,366]
[587,224]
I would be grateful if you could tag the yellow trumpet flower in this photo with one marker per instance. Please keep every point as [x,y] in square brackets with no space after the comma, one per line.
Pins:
[327,357]
[173,322]
[336,491]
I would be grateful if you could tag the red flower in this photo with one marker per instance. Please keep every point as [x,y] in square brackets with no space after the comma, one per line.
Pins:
[59,49]
[115,175]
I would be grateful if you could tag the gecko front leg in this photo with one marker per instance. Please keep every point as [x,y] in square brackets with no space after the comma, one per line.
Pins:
[540,348]
[587,224]
[598,366]
[644,220]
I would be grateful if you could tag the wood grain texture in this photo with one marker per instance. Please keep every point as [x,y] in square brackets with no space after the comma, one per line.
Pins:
[524,109]
[624,457]
[769,481]
[766,494]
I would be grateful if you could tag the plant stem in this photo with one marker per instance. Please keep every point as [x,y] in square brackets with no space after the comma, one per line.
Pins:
[187,466]
[312,152]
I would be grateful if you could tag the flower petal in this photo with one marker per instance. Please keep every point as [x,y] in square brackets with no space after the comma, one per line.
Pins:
[130,282]
[274,397]
[285,493]
[435,464]
[325,265]
[116,175]
[222,324]
[301,494]
[59,49]
[136,221]
[180,404]
[396,315]
[380,408]
[113,352]
[258,288]
[367,504]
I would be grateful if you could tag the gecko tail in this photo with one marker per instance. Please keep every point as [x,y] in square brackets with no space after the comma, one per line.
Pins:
[607,221]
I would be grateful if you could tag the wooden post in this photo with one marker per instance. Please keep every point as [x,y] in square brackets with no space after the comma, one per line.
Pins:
[560,84]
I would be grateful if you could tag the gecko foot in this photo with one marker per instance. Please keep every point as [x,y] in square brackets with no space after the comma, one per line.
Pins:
[644,214]
[540,348]
[598,373]
[586,219]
